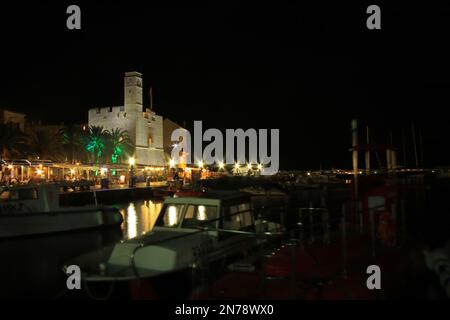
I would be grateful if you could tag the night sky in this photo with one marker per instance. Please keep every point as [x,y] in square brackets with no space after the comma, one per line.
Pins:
[307,70]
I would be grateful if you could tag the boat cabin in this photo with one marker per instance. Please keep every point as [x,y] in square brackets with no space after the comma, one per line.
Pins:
[29,198]
[215,226]
[219,211]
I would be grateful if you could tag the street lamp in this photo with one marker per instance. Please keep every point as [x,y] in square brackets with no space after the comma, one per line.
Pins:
[236,168]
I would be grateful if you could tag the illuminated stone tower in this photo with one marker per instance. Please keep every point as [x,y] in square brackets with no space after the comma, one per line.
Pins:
[144,126]
[133,92]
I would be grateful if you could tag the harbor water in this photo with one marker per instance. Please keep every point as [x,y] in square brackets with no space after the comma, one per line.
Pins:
[32,267]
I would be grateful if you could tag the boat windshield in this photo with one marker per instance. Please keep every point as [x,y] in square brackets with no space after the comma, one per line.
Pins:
[188,215]
[170,215]
[5,195]
[19,194]
[197,215]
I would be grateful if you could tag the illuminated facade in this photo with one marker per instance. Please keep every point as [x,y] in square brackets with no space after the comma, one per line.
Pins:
[12,118]
[144,126]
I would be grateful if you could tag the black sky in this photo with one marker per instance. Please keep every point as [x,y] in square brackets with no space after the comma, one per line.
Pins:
[305,69]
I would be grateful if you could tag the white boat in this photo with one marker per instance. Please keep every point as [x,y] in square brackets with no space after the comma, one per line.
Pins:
[27,210]
[189,232]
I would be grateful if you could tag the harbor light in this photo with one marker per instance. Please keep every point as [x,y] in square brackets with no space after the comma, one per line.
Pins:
[172,163]
[260,166]
[236,165]
[200,164]
[221,165]
[249,166]
[131,161]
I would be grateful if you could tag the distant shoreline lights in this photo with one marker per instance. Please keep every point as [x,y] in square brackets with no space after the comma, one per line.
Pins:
[235,140]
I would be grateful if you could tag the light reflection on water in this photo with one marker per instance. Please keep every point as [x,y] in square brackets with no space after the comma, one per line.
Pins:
[139,217]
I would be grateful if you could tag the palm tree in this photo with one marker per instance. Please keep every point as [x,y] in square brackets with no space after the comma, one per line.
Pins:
[72,138]
[13,142]
[46,145]
[118,145]
[95,142]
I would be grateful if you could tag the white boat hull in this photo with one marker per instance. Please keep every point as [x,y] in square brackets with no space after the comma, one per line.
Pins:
[35,223]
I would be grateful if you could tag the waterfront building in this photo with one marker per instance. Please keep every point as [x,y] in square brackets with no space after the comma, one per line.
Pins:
[144,126]
[12,118]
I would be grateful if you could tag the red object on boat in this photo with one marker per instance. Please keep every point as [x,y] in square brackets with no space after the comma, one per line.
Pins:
[160,193]
[188,193]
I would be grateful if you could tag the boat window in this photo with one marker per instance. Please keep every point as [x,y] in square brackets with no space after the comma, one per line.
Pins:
[14,195]
[170,216]
[244,207]
[5,195]
[19,194]
[195,214]
[190,211]
[238,217]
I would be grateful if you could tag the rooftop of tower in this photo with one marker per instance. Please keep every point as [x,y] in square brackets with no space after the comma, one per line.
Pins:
[133,74]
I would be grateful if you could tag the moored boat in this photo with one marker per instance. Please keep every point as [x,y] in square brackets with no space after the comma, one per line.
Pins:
[190,232]
[27,210]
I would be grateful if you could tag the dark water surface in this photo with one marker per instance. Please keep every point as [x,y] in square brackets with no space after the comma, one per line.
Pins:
[32,267]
